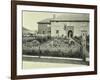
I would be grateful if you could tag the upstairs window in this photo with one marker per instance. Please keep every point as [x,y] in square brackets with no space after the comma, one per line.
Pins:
[43,32]
[49,31]
[57,31]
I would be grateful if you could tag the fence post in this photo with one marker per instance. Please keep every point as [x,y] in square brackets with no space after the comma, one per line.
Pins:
[39,52]
[83,42]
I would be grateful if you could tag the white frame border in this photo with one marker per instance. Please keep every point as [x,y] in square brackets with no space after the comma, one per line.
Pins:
[20,71]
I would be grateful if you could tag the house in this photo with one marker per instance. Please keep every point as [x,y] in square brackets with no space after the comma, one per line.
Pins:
[65,25]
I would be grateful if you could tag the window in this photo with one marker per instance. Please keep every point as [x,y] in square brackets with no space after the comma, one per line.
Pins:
[49,31]
[57,31]
[43,32]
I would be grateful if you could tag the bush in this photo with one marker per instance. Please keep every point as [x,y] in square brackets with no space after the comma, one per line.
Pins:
[58,49]
[42,39]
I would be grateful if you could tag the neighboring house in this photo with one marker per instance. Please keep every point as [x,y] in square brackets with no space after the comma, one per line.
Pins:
[26,32]
[28,35]
[67,25]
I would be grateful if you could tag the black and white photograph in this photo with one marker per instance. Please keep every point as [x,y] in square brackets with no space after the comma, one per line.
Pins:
[55,39]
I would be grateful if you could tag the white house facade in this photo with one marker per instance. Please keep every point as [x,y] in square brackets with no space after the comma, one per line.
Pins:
[68,25]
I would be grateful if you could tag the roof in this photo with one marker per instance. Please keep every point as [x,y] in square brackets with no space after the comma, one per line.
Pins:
[68,17]
[26,31]
[45,21]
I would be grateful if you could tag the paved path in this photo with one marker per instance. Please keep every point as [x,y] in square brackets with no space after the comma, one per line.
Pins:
[50,62]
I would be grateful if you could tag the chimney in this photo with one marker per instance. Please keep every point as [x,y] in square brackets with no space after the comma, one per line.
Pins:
[54,16]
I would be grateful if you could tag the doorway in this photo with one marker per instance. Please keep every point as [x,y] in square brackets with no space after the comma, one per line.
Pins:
[70,33]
